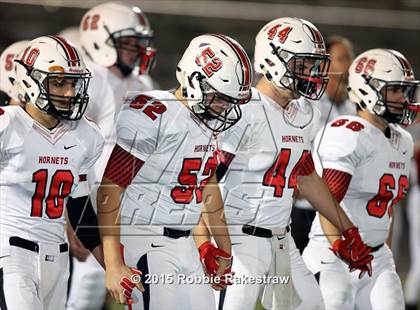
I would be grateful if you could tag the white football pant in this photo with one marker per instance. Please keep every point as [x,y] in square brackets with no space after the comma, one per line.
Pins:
[252,258]
[31,280]
[342,289]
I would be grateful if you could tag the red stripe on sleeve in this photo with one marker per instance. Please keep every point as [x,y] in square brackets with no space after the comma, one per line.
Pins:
[307,166]
[338,182]
[122,167]
[224,157]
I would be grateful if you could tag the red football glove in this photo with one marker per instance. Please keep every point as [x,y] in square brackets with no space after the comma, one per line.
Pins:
[128,285]
[209,255]
[354,252]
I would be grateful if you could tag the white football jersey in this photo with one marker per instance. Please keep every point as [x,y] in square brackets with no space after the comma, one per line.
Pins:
[329,111]
[107,94]
[178,154]
[379,167]
[39,169]
[268,143]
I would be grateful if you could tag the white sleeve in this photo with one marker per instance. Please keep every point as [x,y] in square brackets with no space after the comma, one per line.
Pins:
[339,148]
[137,133]
[96,147]
[235,137]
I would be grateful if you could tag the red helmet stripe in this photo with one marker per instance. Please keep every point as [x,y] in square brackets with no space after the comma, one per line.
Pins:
[404,63]
[245,62]
[72,56]
[408,71]
[142,20]
[315,34]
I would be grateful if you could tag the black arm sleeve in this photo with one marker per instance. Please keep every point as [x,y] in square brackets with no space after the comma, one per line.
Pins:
[84,221]
[221,171]
[225,158]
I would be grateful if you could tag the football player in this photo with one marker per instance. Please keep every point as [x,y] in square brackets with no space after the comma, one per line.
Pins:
[366,161]
[164,164]
[117,39]
[8,92]
[266,158]
[45,150]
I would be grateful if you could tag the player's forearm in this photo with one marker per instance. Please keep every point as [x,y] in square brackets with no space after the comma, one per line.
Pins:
[108,199]
[316,191]
[200,233]
[213,215]
[331,232]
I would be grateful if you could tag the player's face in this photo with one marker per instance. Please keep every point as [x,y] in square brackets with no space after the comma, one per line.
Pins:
[307,67]
[65,88]
[130,48]
[217,104]
[395,97]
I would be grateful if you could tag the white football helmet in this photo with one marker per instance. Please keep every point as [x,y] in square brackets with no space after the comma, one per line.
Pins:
[377,77]
[215,66]
[8,70]
[49,62]
[102,28]
[290,52]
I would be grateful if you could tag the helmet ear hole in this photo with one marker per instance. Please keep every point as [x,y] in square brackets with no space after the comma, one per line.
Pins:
[27,84]
[363,92]
[269,62]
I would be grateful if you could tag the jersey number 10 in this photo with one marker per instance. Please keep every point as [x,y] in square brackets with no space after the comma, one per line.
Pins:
[60,188]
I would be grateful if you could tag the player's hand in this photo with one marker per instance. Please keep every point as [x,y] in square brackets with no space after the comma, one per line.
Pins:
[224,274]
[354,252]
[216,262]
[120,282]
[77,249]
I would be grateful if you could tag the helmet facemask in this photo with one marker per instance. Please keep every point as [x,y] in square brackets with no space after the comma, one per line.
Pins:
[306,74]
[396,100]
[140,45]
[218,111]
[59,105]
